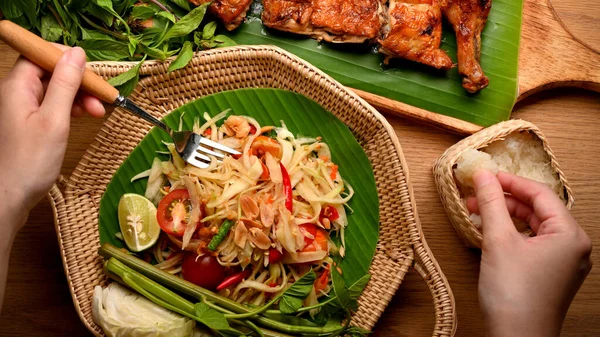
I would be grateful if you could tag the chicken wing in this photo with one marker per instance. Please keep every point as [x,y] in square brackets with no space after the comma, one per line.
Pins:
[230,12]
[468,17]
[330,20]
[415,33]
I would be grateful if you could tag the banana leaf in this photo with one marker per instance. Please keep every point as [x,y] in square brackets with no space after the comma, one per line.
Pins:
[360,67]
[268,106]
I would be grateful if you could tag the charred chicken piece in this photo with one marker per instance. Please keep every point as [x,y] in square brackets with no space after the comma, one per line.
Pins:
[230,12]
[348,21]
[468,17]
[415,33]
[288,15]
[330,20]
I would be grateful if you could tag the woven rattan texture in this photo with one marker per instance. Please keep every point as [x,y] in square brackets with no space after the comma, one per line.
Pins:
[443,171]
[401,245]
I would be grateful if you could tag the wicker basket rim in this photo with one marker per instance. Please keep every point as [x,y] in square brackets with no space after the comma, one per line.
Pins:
[424,262]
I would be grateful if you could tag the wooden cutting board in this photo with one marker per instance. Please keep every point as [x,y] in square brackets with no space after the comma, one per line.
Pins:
[549,57]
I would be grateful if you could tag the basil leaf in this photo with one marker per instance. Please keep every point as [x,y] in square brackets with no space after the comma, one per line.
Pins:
[102,49]
[224,41]
[357,288]
[184,57]
[188,23]
[127,81]
[133,42]
[98,12]
[10,9]
[209,30]
[29,7]
[182,3]
[167,15]
[142,12]
[210,317]
[121,6]
[342,294]
[50,29]
[158,53]
[294,296]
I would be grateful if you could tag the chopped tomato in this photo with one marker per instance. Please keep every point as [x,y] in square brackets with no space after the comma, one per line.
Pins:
[311,230]
[320,238]
[330,213]
[264,144]
[274,256]
[252,129]
[208,132]
[322,281]
[265,171]
[174,211]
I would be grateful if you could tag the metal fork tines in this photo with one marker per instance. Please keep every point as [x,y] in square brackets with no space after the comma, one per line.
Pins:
[193,148]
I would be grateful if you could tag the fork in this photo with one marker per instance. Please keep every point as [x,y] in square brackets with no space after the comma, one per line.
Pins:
[193,148]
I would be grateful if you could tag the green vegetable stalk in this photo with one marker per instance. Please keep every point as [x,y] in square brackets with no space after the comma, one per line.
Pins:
[147,280]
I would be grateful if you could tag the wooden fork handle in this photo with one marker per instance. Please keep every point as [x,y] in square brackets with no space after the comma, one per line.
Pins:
[46,55]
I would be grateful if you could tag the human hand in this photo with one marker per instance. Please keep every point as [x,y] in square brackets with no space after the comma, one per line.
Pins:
[526,284]
[35,113]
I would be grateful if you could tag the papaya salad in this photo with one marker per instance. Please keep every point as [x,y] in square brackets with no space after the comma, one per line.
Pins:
[250,225]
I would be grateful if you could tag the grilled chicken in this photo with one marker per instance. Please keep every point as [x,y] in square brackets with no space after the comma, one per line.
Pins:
[468,17]
[415,33]
[288,15]
[348,21]
[330,20]
[230,12]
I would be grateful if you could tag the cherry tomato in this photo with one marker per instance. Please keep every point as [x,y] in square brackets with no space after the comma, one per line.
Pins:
[205,271]
[274,256]
[319,243]
[174,211]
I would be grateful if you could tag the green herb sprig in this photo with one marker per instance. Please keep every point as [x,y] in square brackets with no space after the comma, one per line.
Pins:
[121,30]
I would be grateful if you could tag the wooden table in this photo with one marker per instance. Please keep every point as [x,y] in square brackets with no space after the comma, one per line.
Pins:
[38,302]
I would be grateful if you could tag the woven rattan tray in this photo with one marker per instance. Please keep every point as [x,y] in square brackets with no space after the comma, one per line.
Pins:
[401,245]
[443,172]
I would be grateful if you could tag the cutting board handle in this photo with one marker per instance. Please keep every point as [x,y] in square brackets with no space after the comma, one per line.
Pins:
[550,56]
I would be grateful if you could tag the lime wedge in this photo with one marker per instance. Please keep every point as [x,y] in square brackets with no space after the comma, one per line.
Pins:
[137,219]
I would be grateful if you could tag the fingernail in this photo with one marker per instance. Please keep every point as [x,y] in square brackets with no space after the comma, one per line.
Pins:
[76,58]
[482,178]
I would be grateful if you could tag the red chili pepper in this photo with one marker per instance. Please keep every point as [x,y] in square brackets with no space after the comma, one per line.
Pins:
[322,280]
[274,256]
[252,129]
[234,279]
[287,188]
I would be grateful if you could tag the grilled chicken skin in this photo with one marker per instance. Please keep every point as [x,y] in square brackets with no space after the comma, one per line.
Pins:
[288,15]
[230,12]
[353,21]
[468,17]
[415,33]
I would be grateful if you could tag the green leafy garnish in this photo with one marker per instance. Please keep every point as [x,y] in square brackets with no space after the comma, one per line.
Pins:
[293,298]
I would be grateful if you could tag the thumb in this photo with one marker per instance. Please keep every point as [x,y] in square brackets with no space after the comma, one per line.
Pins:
[492,206]
[64,85]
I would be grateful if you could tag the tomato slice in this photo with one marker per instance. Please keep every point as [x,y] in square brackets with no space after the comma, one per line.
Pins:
[320,238]
[311,230]
[204,271]
[174,211]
